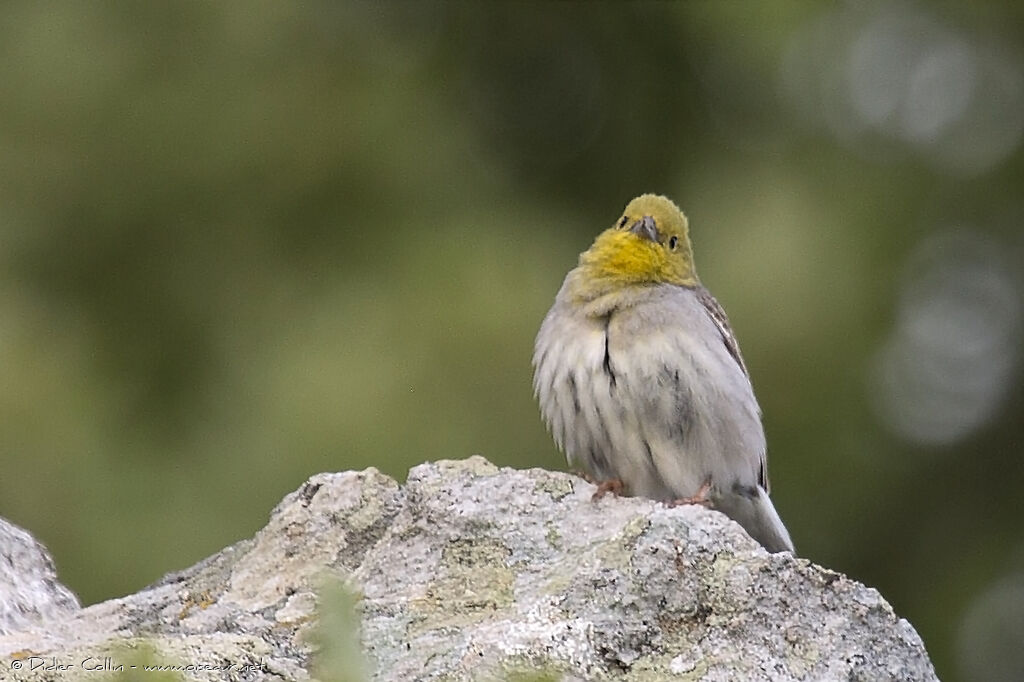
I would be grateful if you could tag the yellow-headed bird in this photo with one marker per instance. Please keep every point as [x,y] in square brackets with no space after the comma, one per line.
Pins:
[640,379]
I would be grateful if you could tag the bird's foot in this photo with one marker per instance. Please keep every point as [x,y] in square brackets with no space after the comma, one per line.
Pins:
[701,497]
[584,475]
[612,485]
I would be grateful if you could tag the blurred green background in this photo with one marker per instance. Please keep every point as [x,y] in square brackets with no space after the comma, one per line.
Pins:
[242,243]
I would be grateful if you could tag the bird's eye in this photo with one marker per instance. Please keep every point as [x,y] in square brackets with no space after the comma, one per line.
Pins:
[623,220]
[672,243]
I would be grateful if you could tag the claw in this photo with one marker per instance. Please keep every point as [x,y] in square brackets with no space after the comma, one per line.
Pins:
[701,497]
[584,475]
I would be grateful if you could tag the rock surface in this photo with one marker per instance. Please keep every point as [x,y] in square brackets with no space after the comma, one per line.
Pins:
[29,590]
[473,572]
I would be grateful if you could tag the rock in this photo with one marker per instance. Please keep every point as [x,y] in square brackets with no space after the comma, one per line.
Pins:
[473,572]
[29,590]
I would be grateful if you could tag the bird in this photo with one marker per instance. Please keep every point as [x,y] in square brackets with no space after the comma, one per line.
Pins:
[640,380]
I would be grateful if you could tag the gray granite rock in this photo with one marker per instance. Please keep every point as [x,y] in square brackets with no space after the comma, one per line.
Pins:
[30,593]
[473,572]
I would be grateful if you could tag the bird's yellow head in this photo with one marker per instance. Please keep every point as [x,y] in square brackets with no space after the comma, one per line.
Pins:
[649,244]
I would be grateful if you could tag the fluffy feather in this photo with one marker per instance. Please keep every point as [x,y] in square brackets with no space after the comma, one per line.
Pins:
[640,379]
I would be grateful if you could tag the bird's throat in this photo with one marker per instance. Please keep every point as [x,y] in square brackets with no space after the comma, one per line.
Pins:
[620,259]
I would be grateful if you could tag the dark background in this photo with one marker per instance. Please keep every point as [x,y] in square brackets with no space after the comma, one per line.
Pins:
[242,243]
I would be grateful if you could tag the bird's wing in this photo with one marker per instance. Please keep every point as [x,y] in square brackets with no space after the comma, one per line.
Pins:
[721,320]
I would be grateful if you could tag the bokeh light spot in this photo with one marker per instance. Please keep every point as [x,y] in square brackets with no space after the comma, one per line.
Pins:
[953,353]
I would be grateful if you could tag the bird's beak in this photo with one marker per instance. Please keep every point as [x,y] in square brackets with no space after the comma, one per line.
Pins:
[646,228]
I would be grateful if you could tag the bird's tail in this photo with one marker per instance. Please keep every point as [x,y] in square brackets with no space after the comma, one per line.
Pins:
[757,515]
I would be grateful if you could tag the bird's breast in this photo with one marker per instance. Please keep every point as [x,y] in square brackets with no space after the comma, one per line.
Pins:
[648,394]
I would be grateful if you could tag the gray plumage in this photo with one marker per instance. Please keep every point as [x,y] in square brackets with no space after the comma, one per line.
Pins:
[646,384]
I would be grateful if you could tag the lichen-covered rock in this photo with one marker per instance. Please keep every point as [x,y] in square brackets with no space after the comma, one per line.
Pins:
[242,614]
[30,593]
[475,572]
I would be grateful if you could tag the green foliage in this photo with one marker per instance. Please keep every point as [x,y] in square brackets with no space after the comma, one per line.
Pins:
[339,657]
[138,661]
